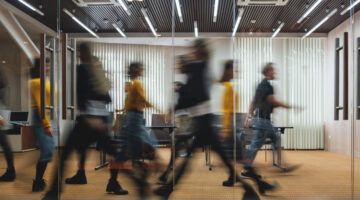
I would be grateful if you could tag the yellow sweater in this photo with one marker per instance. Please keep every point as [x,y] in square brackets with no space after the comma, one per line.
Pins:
[135,98]
[228,106]
[36,94]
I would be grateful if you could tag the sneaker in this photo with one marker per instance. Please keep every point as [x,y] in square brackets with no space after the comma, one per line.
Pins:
[8,176]
[38,185]
[113,187]
[164,191]
[265,187]
[230,182]
[247,174]
[291,168]
[78,178]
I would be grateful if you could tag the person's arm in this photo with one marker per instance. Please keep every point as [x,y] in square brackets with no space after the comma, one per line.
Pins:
[277,103]
[46,120]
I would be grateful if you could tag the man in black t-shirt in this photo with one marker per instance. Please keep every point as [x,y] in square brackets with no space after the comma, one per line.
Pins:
[259,115]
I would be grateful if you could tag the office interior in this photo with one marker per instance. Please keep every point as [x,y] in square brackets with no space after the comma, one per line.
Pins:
[315,45]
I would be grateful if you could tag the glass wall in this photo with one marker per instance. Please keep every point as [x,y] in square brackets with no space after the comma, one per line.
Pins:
[210,99]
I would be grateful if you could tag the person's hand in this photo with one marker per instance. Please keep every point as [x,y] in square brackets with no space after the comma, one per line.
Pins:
[247,123]
[48,131]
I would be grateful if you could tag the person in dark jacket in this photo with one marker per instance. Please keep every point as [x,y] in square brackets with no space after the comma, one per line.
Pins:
[195,98]
[91,125]
[9,174]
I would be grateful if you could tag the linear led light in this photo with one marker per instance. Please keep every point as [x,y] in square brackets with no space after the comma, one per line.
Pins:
[278,30]
[216,9]
[312,8]
[350,7]
[80,23]
[238,19]
[321,23]
[119,30]
[196,30]
[124,6]
[178,8]
[31,7]
[146,16]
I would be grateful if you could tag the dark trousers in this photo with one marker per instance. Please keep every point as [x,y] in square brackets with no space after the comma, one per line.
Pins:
[7,150]
[204,134]
[79,139]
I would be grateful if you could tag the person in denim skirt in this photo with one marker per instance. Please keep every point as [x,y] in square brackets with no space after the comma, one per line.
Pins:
[42,127]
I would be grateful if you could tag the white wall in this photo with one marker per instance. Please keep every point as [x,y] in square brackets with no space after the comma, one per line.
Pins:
[338,133]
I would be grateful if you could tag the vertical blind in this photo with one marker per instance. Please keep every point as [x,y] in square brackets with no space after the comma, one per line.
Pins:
[300,84]
[304,63]
[300,80]
[117,57]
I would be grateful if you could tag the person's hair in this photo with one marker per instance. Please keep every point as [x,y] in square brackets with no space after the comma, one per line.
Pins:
[35,69]
[85,52]
[201,49]
[133,69]
[267,67]
[228,65]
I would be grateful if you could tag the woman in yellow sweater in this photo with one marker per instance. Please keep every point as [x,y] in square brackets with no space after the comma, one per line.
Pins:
[133,127]
[229,98]
[42,127]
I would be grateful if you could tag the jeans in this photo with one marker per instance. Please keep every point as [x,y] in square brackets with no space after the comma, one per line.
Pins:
[138,137]
[46,143]
[263,129]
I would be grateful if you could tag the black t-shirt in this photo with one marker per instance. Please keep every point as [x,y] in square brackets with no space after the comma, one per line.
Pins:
[263,108]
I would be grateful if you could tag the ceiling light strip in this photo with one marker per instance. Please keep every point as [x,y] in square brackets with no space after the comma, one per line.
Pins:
[350,7]
[178,8]
[119,30]
[196,30]
[321,23]
[124,6]
[312,8]
[146,16]
[278,30]
[80,23]
[238,19]
[31,7]
[216,9]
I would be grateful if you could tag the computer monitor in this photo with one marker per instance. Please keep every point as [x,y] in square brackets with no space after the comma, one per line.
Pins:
[19,117]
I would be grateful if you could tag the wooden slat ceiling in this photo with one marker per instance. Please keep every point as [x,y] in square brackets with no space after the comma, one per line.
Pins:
[267,17]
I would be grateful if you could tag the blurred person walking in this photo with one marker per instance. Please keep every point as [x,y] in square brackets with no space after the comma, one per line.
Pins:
[42,127]
[259,118]
[10,173]
[91,123]
[196,99]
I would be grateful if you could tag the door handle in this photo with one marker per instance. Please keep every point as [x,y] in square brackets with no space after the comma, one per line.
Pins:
[70,107]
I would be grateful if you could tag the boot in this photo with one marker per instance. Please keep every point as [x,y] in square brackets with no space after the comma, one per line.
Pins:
[78,178]
[8,176]
[114,187]
[38,185]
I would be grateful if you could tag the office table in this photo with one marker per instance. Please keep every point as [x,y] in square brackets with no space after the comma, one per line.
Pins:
[103,160]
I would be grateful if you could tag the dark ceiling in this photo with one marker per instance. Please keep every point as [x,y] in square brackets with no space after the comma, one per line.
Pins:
[267,17]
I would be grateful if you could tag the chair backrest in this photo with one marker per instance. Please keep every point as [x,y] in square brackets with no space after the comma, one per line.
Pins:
[158,120]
